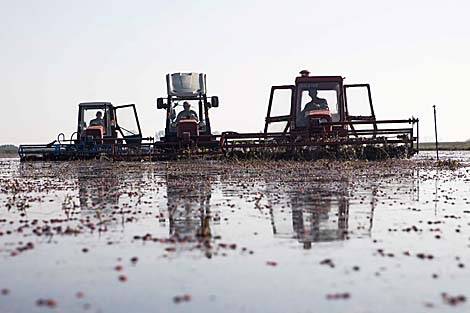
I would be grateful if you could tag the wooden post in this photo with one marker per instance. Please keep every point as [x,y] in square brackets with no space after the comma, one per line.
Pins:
[435,132]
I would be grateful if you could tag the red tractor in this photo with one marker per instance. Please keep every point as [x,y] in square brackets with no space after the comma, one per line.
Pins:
[315,112]
[187,126]
[102,130]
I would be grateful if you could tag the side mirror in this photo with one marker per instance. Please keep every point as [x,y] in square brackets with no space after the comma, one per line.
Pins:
[161,104]
[215,102]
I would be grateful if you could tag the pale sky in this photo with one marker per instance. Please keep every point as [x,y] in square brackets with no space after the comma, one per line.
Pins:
[56,54]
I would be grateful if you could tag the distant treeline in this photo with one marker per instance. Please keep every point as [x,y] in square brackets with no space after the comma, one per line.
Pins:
[449,146]
[8,149]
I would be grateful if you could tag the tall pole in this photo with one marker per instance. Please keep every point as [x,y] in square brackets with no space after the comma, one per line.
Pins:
[435,132]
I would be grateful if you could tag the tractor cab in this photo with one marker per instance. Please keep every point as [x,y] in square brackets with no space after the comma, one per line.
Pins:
[317,105]
[103,129]
[101,122]
[317,102]
[187,107]
[313,102]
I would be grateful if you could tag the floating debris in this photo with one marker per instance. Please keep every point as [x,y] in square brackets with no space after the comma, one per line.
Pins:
[51,303]
[453,300]
[183,298]
[338,296]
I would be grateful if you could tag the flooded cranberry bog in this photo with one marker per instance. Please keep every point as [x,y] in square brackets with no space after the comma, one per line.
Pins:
[251,236]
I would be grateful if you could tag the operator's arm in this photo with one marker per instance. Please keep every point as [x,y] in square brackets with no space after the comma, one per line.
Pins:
[194,115]
[323,104]
[308,107]
[179,116]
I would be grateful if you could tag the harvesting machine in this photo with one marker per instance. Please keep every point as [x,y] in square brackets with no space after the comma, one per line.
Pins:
[315,112]
[187,131]
[102,129]
[311,114]
[114,131]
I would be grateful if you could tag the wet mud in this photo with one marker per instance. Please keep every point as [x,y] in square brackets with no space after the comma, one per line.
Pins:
[236,236]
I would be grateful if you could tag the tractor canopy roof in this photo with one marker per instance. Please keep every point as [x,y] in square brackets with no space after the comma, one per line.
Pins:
[186,84]
[94,104]
[318,79]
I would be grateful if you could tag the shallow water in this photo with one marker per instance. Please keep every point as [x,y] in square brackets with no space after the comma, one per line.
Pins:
[250,237]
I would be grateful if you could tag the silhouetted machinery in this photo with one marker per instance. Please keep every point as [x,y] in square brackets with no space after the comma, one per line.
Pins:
[187,129]
[316,113]
[102,129]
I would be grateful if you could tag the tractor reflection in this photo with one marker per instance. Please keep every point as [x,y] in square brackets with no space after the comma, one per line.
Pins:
[110,195]
[313,219]
[322,220]
[98,187]
[188,201]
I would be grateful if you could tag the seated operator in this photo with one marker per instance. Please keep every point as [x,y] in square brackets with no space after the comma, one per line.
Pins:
[98,121]
[187,113]
[315,104]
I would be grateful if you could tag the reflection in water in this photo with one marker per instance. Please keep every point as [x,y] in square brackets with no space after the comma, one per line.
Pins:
[320,216]
[308,209]
[312,220]
[188,201]
[99,184]
[98,187]
[305,206]
[331,211]
[318,224]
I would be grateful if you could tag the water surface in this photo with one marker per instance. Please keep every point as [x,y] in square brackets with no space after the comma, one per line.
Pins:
[204,236]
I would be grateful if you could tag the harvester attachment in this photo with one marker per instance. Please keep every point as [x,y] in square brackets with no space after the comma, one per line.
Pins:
[312,120]
[103,130]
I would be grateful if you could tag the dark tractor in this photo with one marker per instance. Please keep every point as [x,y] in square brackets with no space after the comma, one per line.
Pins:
[102,130]
[188,125]
[316,112]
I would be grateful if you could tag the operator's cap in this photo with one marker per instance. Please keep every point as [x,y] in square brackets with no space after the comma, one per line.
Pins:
[304,73]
